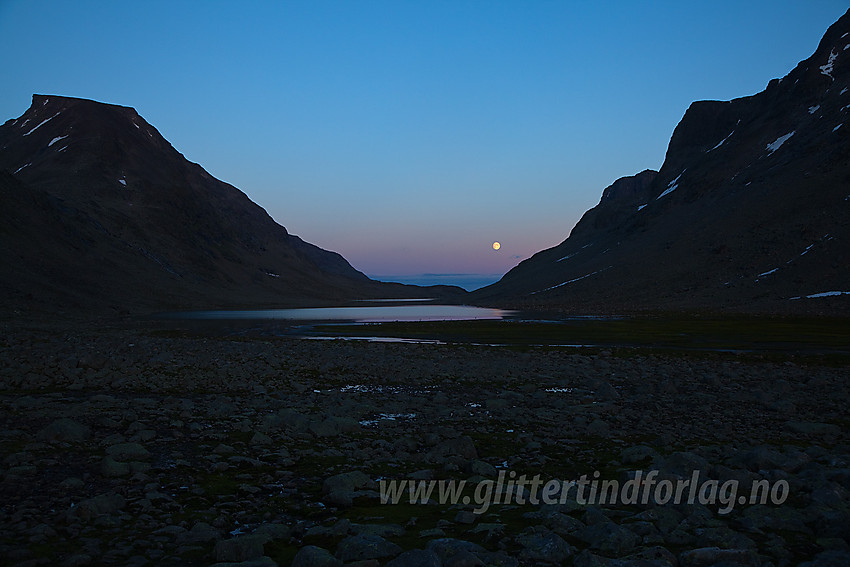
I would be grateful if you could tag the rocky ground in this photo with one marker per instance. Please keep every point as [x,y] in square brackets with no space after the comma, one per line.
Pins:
[126,446]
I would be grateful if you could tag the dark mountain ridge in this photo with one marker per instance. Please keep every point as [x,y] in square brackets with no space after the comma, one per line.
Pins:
[750,211]
[99,208]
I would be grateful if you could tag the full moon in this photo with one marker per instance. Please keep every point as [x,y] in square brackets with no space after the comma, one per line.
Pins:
[496,246]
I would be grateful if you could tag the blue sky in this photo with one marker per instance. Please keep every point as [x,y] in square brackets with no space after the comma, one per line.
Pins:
[408,136]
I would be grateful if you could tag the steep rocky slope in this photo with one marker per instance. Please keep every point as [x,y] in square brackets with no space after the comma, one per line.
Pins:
[749,212]
[99,209]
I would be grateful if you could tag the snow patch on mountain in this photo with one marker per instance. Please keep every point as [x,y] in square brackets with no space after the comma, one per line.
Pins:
[827,69]
[777,143]
[724,140]
[571,281]
[672,185]
[825,294]
[42,123]
[54,140]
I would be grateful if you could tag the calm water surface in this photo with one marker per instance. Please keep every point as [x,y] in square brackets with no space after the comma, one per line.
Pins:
[380,314]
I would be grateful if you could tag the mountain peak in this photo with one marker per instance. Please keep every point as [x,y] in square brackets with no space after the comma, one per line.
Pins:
[81,146]
[77,110]
[62,102]
[100,207]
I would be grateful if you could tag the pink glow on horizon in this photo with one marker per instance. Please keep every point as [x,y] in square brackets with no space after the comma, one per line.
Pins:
[387,246]
[436,259]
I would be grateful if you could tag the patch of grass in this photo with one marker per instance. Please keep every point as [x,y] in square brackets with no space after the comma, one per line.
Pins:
[760,334]
[412,517]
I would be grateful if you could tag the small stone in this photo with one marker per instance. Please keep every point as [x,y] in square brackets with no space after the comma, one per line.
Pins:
[462,446]
[239,548]
[361,547]
[608,538]
[144,435]
[831,558]
[274,531]
[416,558]
[66,430]
[383,530]
[546,547]
[490,530]
[78,560]
[333,426]
[446,548]
[99,505]
[637,454]
[598,428]
[482,469]
[201,532]
[223,449]
[174,531]
[21,471]
[313,556]
[41,534]
[349,481]
[814,428]
[257,562]
[128,452]
[657,555]
[708,556]
[260,440]
[606,392]
[72,483]
[110,468]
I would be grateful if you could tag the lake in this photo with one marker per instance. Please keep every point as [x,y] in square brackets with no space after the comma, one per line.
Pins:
[366,314]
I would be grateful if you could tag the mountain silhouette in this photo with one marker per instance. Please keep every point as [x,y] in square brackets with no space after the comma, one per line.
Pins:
[750,211]
[100,211]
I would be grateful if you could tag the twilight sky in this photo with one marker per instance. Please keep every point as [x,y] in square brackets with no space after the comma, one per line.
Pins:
[408,136]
